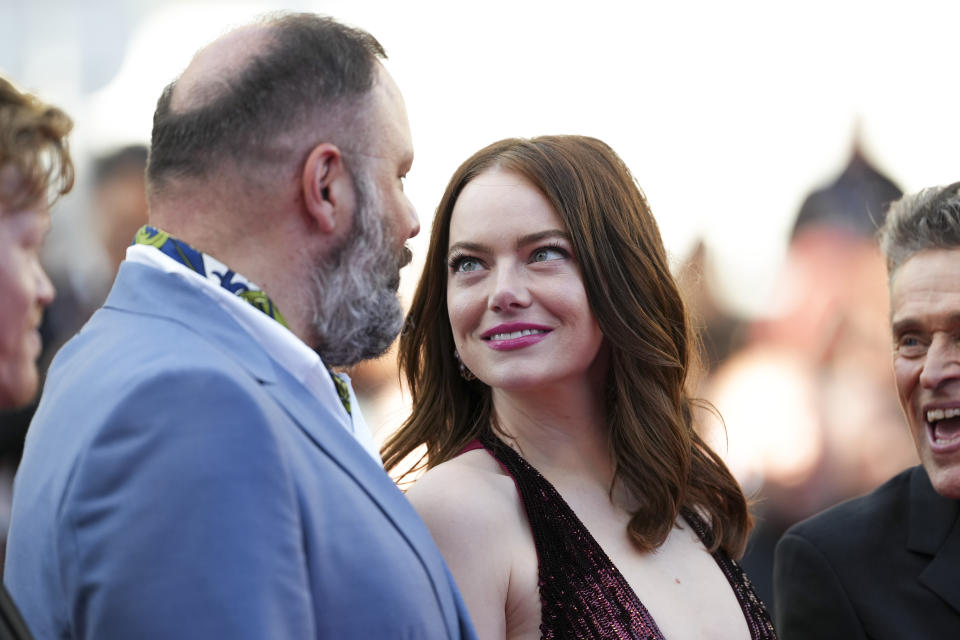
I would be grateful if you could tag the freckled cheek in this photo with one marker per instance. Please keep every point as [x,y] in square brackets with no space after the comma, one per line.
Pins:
[466,308]
[458,315]
[573,304]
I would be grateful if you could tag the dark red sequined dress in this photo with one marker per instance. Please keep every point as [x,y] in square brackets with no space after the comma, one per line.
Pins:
[582,593]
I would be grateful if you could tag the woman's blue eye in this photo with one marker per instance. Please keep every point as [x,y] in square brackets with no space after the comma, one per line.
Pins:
[465,264]
[548,253]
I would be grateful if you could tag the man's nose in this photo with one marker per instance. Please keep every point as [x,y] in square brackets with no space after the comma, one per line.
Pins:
[414,221]
[942,361]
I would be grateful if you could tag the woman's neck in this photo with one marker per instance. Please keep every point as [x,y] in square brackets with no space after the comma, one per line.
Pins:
[560,431]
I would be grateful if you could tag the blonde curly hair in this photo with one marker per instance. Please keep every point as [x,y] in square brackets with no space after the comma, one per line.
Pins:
[33,142]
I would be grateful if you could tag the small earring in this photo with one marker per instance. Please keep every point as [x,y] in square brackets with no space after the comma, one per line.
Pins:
[465,373]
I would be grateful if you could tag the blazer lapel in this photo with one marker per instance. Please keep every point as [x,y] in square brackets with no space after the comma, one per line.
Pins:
[935,531]
[145,290]
[142,289]
[325,431]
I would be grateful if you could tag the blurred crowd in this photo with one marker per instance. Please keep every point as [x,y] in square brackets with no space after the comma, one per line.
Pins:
[805,418]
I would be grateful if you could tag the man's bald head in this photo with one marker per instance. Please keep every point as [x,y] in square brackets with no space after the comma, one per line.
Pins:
[257,95]
[215,68]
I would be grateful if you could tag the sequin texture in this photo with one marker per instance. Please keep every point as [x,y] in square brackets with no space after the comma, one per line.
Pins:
[582,593]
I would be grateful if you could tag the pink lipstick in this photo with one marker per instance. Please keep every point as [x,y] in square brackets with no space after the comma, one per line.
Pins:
[514,335]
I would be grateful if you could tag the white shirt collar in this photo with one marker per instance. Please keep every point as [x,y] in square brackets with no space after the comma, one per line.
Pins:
[280,343]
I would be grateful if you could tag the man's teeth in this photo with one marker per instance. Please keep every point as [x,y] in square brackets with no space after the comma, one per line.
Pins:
[515,334]
[940,414]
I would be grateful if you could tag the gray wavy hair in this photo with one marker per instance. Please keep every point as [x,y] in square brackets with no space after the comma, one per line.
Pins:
[928,219]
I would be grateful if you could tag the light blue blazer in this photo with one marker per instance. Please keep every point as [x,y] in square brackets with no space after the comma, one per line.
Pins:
[177,483]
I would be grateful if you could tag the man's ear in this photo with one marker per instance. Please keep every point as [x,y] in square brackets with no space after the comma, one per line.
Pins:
[321,172]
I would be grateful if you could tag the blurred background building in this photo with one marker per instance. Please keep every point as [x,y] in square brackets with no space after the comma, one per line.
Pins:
[767,137]
[806,390]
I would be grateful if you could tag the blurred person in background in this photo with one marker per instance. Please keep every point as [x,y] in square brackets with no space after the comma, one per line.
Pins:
[547,351]
[808,414]
[35,168]
[117,207]
[885,565]
[194,468]
[119,201]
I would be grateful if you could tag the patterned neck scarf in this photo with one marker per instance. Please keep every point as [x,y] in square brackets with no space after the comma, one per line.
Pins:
[222,276]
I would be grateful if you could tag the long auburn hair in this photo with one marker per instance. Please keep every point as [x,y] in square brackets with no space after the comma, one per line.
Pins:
[658,455]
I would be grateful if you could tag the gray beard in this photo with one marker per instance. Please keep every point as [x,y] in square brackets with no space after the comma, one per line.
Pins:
[357,314]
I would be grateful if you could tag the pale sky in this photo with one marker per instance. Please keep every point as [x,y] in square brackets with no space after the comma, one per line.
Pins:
[728,113]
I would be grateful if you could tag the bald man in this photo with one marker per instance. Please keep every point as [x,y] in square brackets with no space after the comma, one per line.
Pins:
[195,469]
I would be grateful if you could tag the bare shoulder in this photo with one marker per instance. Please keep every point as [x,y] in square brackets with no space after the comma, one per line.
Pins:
[472,509]
[464,495]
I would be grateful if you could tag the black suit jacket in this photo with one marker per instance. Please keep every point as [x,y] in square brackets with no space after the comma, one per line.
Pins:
[882,566]
[12,626]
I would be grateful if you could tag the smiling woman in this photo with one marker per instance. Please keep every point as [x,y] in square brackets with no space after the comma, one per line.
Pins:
[547,351]
[514,284]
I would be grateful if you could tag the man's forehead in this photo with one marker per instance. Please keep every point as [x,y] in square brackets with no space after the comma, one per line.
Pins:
[928,283]
[926,266]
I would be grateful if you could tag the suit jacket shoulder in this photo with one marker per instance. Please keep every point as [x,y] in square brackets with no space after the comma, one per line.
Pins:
[861,569]
[865,521]
[177,482]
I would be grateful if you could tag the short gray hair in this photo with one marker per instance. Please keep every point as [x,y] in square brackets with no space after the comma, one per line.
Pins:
[928,219]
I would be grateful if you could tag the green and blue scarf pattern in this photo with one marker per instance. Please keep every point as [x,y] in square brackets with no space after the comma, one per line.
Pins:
[218,273]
